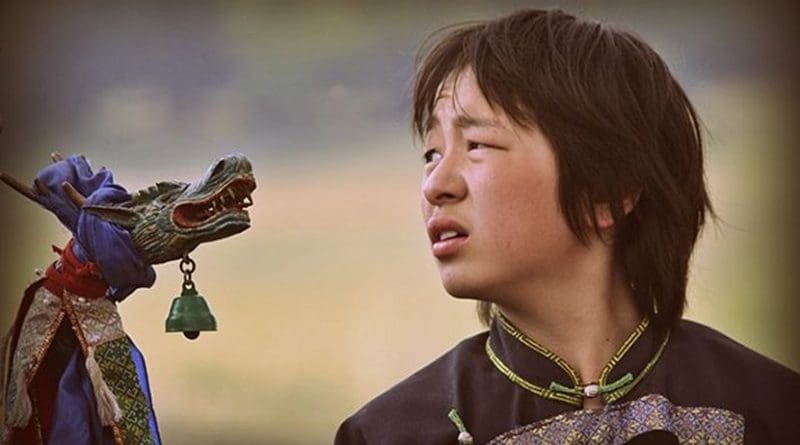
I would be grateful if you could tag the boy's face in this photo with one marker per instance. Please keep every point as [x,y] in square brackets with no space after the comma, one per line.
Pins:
[492,184]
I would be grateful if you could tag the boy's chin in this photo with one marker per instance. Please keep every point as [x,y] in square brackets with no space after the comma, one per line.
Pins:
[464,289]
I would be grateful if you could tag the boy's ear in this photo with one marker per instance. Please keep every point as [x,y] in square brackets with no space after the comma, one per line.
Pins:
[602,212]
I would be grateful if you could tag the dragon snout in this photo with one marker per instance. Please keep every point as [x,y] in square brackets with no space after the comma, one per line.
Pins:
[220,200]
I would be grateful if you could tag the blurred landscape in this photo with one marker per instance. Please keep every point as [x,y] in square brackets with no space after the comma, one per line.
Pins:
[332,296]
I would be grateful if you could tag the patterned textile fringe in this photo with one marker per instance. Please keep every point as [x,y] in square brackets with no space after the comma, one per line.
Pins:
[20,413]
[4,342]
[107,406]
[3,348]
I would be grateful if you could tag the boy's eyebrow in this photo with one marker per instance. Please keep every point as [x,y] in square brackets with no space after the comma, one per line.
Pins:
[464,121]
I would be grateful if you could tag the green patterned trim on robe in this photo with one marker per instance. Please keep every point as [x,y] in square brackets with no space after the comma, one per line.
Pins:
[119,372]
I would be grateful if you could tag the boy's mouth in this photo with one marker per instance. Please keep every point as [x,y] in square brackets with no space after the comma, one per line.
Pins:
[444,236]
[447,236]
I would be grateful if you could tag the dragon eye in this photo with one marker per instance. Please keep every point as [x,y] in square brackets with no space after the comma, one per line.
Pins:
[218,168]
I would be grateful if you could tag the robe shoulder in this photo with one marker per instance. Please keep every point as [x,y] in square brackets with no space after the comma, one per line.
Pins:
[418,406]
[703,367]
[707,354]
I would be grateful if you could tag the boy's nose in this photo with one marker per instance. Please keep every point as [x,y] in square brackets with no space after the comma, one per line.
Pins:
[445,183]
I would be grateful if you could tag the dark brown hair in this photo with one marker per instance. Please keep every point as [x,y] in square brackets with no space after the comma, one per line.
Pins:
[619,123]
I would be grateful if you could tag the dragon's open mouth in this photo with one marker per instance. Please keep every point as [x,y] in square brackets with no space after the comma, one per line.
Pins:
[231,199]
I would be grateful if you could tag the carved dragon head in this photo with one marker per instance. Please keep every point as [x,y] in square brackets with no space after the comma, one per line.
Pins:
[171,218]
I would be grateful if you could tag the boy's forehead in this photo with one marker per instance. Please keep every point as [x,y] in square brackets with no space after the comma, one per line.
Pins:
[460,101]
[461,88]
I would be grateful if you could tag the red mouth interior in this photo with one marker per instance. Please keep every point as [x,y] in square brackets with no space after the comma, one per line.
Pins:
[235,197]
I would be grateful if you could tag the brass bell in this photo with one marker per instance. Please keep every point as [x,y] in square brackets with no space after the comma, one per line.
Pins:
[189,312]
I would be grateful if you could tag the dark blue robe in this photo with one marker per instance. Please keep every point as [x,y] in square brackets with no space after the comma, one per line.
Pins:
[690,385]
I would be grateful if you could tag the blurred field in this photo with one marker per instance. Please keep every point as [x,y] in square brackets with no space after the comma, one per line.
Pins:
[332,296]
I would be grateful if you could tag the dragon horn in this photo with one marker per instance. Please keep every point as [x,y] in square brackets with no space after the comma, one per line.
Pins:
[56,157]
[74,195]
[121,216]
[18,186]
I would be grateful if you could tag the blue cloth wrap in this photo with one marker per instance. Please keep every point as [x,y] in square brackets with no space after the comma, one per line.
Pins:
[96,240]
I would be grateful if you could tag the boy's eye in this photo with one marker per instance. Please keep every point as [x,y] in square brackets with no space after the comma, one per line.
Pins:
[431,155]
[477,145]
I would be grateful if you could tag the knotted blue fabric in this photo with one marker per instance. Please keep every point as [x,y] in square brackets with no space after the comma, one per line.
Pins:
[96,240]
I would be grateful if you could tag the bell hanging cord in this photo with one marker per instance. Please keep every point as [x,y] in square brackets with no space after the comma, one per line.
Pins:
[187,266]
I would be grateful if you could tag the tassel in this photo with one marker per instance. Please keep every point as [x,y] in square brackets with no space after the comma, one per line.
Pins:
[107,406]
[464,437]
[20,413]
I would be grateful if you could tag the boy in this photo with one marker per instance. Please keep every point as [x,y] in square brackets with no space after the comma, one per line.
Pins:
[564,189]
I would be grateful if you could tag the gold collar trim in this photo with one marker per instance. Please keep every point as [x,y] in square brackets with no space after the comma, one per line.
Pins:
[575,400]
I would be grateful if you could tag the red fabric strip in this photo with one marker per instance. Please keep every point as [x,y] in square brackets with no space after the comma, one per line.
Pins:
[82,279]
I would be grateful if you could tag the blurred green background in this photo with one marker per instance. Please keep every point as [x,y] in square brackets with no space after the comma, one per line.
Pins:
[332,295]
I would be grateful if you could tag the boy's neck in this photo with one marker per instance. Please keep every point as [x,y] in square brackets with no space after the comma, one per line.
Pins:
[583,319]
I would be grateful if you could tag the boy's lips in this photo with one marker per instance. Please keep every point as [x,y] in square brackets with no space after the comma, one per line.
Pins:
[446,235]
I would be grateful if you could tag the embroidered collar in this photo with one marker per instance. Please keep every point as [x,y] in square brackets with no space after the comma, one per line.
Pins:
[542,372]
